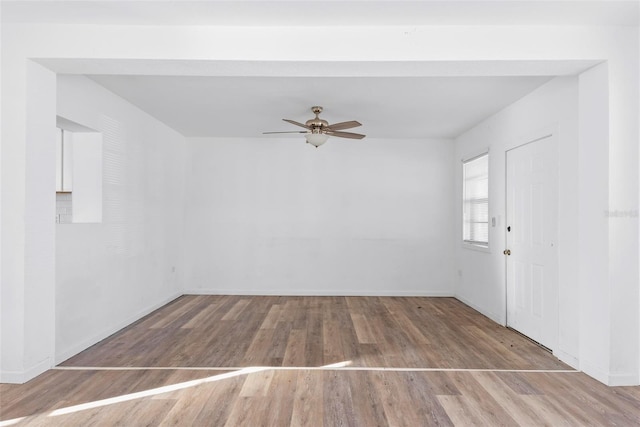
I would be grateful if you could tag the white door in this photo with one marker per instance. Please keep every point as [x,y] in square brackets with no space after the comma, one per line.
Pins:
[531,251]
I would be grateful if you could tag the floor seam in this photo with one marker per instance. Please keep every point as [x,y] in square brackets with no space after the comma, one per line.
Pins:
[303,368]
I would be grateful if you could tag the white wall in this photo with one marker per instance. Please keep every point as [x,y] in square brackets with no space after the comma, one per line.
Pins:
[87,169]
[109,274]
[551,108]
[39,237]
[278,216]
[594,210]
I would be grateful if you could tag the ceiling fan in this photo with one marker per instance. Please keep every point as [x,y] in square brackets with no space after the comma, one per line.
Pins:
[318,130]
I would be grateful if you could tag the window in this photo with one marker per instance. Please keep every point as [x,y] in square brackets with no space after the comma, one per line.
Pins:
[475,203]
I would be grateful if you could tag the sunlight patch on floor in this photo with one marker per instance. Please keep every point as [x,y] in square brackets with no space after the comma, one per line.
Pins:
[11,422]
[153,392]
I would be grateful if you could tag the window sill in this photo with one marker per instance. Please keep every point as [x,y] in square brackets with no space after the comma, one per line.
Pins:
[478,248]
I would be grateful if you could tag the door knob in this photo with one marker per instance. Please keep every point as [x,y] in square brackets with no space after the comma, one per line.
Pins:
[507,252]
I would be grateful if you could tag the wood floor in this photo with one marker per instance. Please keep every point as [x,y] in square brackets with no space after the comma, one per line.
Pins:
[280,361]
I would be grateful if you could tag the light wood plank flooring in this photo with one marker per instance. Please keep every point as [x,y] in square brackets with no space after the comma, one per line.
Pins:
[280,361]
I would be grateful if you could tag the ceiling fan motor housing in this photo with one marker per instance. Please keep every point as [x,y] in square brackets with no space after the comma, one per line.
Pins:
[317,124]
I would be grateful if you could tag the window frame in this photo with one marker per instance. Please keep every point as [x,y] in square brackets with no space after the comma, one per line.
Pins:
[468,243]
[64,161]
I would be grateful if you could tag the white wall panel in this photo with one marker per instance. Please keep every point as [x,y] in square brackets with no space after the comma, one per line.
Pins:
[110,273]
[277,216]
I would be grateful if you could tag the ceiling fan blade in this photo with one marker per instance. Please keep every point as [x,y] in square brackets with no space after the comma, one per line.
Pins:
[289,131]
[297,124]
[345,125]
[346,135]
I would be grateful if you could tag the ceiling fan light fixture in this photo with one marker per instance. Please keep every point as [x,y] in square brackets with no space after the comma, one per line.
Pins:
[316,139]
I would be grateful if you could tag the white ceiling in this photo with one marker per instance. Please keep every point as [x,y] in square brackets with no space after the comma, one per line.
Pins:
[401,107]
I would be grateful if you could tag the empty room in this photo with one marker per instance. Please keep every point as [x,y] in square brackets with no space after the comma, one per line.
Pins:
[319,213]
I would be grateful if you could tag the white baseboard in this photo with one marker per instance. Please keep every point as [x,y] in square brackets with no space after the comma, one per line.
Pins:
[610,378]
[493,316]
[306,293]
[624,379]
[594,372]
[605,377]
[84,344]
[567,358]
[21,377]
